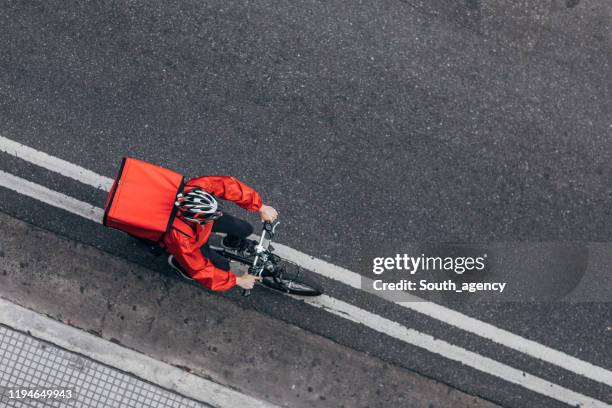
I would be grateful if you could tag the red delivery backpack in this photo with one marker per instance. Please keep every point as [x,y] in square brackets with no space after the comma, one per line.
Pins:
[141,201]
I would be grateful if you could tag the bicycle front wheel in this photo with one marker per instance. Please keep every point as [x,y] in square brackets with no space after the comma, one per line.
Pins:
[291,279]
[300,288]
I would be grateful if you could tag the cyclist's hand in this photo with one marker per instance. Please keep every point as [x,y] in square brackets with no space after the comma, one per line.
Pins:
[268,213]
[247,281]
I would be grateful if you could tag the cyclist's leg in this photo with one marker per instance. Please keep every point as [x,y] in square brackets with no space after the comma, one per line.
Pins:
[235,228]
[216,258]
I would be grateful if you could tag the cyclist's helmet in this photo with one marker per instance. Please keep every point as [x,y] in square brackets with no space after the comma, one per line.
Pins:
[198,206]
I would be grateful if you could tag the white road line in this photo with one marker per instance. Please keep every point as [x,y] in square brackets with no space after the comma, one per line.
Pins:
[411,336]
[55,164]
[452,352]
[430,309]
[124,359]
[51,197]
[454,318]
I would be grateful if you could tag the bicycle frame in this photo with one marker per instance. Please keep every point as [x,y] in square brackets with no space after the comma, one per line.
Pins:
[261,252]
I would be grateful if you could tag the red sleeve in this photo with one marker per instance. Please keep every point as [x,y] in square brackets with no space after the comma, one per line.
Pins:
[196,265]
[231,189]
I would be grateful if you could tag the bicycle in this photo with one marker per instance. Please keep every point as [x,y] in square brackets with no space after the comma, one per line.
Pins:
[276,273]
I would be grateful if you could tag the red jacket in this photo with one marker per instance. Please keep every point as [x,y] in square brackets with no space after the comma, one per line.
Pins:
[185,238]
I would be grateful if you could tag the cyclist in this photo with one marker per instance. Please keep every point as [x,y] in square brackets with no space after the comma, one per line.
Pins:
[199,214]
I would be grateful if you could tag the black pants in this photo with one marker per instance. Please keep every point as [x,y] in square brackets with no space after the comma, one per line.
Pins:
[236,230]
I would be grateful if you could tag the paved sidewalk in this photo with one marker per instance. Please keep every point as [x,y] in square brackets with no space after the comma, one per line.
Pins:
[27,362]
[41,354]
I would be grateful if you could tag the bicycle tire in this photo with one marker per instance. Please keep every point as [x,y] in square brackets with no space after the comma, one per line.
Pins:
[302,286]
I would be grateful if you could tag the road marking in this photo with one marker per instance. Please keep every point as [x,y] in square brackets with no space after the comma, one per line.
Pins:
[433,310]
[124,359]
[355,314]
[454,318]
[451,352]
[55,164]
[51,197]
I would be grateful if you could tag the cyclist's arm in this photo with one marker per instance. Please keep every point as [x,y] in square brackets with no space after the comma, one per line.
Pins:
[201,269]
[214,278]
[231,189]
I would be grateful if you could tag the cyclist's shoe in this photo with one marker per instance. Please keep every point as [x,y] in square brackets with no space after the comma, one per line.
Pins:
[179,270]
[246,248]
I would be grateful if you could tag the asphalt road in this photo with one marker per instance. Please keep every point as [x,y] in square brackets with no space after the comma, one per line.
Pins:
[363,123]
